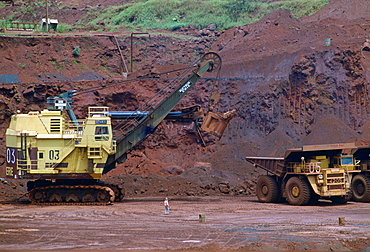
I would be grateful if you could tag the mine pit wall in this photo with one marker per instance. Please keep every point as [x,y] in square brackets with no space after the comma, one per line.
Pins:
[292,91]
[32,57]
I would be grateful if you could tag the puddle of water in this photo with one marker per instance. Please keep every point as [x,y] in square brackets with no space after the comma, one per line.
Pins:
[22,230]
[361,225]
[192,241]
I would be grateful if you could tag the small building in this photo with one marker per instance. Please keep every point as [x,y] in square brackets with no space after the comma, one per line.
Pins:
[52,24]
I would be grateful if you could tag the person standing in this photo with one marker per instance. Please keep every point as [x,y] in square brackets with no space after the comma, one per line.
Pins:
[166,206]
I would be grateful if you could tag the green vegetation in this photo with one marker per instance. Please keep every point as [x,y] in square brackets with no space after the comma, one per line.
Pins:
[2,25]
[174,14]
[76,51]
[63,28]
[23,66]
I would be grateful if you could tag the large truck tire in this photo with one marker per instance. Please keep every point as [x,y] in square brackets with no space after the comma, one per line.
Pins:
[298,191]
[267,189]
[361,188]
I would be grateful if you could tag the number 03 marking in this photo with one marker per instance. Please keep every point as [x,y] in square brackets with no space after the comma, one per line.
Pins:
[10,156]
[54,154]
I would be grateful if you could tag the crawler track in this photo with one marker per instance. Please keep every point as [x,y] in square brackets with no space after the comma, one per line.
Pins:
[72,195]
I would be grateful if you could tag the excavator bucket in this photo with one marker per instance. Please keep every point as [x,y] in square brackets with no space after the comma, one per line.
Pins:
[215,123]
[366,45]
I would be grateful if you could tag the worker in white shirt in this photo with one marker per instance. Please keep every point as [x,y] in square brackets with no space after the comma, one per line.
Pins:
[166,206]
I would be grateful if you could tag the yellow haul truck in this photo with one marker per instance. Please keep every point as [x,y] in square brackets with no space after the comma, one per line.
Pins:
[331,171]
[65,158]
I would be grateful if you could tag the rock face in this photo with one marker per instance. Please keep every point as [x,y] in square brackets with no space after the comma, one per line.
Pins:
[288,85]
[289,78]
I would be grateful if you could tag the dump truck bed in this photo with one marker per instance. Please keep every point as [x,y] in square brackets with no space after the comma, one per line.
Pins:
[274,165]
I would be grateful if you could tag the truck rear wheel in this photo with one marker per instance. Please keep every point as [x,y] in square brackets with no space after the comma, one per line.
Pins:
[298,191]
[361,188]
[267,189]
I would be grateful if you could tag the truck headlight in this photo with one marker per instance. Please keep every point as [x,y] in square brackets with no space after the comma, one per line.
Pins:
[320,176]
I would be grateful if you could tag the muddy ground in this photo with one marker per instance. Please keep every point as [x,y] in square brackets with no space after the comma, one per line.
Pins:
[231,223]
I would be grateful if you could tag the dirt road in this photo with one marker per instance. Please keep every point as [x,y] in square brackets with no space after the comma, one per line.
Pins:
[230,223]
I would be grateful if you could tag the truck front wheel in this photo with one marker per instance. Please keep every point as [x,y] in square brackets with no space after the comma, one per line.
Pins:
[298,191]
[361,188]
[267,189]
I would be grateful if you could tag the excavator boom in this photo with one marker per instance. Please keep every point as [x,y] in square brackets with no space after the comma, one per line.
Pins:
[158,107]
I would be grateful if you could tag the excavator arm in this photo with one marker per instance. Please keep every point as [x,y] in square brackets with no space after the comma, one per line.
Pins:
[159,106]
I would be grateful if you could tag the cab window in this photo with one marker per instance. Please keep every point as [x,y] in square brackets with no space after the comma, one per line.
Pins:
[101,130]
[347,161]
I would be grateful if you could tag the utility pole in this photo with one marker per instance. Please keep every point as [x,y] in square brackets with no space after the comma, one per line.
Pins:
[47,16]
